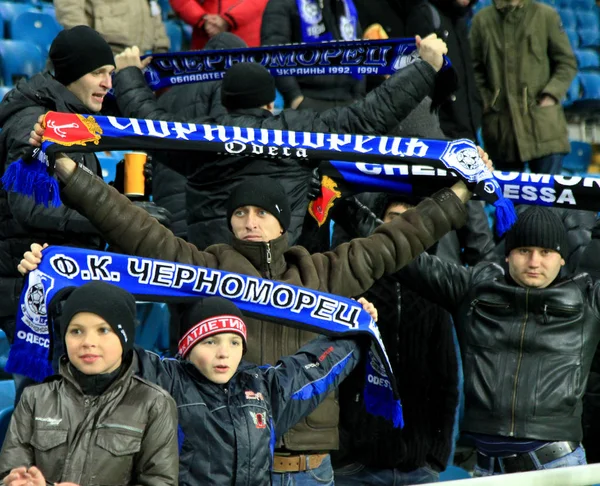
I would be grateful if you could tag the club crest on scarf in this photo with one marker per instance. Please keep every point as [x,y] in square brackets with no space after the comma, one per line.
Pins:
[33,306]
[319,208]
[70,129]
[461,156]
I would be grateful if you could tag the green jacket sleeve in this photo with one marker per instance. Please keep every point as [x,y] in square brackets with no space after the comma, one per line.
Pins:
[561,58]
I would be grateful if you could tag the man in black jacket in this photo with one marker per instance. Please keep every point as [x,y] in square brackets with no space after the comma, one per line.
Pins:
[460,113]
[250,105]
[288,22]
[83,64]
[527,339]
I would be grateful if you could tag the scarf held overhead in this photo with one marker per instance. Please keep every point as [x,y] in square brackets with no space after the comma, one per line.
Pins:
[350,57]
[312,25]
[156,280]
[67,132]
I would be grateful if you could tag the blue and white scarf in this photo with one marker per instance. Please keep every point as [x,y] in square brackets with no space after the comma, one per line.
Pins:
[351,57]
[312,26]
[157,280]
[66,132]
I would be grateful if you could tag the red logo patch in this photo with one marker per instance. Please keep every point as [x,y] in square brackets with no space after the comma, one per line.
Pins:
[70,129]
[259,420]
[250,395]
[319,208]
[326,353]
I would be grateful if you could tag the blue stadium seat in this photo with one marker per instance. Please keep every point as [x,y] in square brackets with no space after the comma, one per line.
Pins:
[574,90]
[165,8]
[589,37]
[47,8]
[573,37]
[7,393]
[4,348]
[578,160]
[108,162]
[11,10]
[582,4]
[20,59]
[568,18]
[175,33]
[4,90]
[590,84]
[587,59]
[37,27]
[587,19]
[5,415]
[153,331]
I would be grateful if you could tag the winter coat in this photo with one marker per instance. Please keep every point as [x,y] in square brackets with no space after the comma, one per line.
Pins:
[526,352]
[515,66]
[127,435]
[22,222]
[243,17]
[187,101]
[122,23]
[348,270]
[209,188]
[281,25]
[228,431]
[460,114]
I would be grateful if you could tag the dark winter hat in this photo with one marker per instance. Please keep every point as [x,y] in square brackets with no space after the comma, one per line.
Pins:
[113,304]
[208,317]
[262,192]
[78,51]
[247,85]
[538,226]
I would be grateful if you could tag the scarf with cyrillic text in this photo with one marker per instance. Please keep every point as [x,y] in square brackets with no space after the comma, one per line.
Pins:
[157,280]
[67,132]
[312,25]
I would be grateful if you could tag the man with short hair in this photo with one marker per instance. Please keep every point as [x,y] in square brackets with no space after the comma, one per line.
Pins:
[83,64]
[527,338]
[259,215]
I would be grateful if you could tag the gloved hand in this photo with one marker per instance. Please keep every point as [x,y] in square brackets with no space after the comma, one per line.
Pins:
[314,185]
[162,215]
[148,172]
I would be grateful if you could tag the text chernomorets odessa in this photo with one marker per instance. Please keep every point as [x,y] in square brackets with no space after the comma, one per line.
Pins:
[323,58]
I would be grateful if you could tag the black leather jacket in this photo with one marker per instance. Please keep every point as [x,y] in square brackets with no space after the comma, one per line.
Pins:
[526,352]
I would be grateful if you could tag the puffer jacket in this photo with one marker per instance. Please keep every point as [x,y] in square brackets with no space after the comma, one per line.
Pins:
[281,25]
[526,352]
[122,24]
[348,270]
[514,67]
[229,430]
[21,221]
[127,435]
[187,101]
[383,109]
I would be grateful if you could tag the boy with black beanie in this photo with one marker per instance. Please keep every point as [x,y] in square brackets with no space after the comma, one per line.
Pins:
[231,411]
[96,407]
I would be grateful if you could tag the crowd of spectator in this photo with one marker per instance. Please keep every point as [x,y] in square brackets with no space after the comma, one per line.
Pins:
[493,341]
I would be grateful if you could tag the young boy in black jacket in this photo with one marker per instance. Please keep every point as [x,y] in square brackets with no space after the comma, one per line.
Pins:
[230,411]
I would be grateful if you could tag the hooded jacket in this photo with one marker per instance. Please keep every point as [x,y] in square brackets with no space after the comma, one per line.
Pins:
[348,270]
[515,66]
[228,431]
[281,25]
[187,101]
[22,222]
[126,435]
[382,109]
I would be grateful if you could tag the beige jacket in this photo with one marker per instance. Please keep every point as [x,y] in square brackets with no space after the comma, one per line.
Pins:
[123,23]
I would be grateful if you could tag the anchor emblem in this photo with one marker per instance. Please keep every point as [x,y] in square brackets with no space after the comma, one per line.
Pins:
[59,129]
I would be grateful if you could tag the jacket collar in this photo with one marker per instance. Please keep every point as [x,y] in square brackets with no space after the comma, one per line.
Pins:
[504,5]
[268,258]
[258,112]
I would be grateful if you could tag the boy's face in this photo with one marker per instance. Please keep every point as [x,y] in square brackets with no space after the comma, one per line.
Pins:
[92,346]
[218,357]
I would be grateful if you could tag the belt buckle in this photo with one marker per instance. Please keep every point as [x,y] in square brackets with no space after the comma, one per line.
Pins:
[518,463]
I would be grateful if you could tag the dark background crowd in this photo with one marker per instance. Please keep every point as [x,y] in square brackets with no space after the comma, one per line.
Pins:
[526,89]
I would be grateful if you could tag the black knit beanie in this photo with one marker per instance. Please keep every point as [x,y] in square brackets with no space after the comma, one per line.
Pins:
[207,317]
[538,226]
[113,304]
[262,192]
[247,85]
[78,51]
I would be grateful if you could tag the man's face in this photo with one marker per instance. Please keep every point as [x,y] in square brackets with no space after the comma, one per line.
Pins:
[463,3]
[394,210]
[532,266]
[252,223]
[92,87]
[218,357]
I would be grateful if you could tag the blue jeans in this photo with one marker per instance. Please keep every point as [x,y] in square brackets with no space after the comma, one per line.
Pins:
[321,476]
[575,458]
[549,164]
[356,475]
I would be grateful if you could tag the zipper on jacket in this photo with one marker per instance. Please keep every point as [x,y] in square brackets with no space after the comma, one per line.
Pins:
[472,306]
[520,359]
[118,426]
[269,258]
[525,107]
